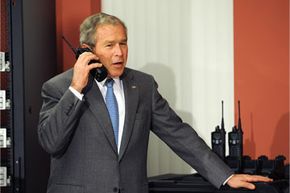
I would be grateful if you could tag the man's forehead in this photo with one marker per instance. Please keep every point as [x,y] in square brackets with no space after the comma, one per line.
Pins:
[111,31]
[109,28]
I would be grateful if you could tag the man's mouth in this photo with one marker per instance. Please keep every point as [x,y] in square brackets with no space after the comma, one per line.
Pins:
[118,63]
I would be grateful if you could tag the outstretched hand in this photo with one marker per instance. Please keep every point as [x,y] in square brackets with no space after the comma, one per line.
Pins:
[246,181]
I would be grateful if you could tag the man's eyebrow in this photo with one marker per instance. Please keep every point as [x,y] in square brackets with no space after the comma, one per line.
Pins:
[113,41]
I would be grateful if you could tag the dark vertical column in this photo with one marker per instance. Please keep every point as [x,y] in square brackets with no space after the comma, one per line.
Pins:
[16,58]
[39,35]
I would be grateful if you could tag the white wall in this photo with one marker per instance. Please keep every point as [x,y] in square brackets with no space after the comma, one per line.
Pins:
[188,46]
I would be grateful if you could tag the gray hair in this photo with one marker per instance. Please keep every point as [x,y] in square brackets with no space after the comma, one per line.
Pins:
[89,27]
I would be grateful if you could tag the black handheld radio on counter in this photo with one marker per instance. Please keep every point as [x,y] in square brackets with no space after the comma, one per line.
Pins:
[218,138]
[236,139]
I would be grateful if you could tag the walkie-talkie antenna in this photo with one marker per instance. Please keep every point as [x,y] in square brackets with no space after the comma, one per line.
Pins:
[240,122]
[222,123]
[69,45]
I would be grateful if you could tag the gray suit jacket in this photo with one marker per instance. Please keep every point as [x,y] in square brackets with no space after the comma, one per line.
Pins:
[79,137]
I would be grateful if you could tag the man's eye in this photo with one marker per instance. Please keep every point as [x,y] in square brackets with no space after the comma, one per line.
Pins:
[108,45]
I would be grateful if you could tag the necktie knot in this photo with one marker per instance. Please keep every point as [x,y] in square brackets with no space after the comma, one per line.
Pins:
[109,83]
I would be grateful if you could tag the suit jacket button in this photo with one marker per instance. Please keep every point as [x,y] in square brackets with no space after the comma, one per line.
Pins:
[115,189]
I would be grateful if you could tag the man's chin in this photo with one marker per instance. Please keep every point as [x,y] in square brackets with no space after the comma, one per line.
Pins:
[115,74]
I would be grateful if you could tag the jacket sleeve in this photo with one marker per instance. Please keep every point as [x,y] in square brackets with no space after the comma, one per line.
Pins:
[58,118]
[185,142]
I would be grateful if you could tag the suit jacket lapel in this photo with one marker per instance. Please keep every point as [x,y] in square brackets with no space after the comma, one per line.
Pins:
[131,103]
[96,103]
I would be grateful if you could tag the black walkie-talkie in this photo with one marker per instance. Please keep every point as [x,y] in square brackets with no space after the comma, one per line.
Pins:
[236,139]
[98,73]
[218,138]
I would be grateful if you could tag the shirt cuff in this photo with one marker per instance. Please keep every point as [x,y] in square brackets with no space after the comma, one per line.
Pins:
[226,181]
[76,93]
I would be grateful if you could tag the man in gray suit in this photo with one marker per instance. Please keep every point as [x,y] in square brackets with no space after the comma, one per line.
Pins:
[93,151]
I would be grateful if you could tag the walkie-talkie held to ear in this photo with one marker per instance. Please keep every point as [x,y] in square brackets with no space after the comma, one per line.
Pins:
[98,73]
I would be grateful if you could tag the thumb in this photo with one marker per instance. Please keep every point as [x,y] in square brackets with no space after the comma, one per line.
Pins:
[248,185]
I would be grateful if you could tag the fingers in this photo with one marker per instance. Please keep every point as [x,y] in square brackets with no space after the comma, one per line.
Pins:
[83,61]
[257,178]
[247,185]
[82,69]
[86,57]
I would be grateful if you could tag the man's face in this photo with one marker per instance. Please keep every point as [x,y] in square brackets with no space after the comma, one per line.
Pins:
[111,48]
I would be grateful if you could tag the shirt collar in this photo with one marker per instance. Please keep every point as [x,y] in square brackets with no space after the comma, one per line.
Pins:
[116,80]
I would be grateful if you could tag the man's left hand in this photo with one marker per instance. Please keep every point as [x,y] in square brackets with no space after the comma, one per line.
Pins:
[246,181]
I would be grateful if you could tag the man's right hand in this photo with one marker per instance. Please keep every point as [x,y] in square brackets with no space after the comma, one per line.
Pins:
[82,69]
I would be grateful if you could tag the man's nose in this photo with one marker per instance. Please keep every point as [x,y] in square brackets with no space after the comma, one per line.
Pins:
[118,50]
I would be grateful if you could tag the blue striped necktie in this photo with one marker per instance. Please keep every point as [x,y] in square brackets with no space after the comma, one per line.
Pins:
[112,107]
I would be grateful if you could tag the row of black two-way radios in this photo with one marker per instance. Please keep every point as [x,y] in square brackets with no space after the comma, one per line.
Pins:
[235,138]
[236,160]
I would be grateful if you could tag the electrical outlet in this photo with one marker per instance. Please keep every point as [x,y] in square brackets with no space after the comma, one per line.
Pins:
[2,99]
[3,138]
[4,63]
[4,103]
[3,176]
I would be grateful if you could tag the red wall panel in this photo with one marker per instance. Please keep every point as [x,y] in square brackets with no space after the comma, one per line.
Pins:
[261,59]
[70,14]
